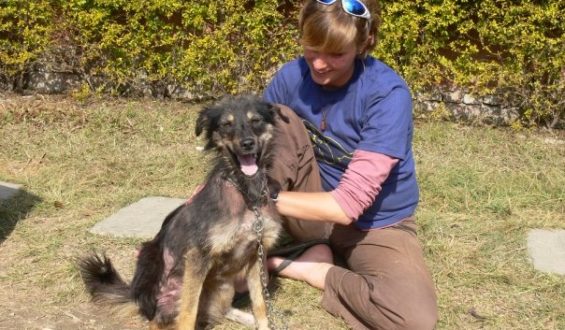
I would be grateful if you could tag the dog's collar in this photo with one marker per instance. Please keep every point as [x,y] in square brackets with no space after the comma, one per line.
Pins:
[263,197]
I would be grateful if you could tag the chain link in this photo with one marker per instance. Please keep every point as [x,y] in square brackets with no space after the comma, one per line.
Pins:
[258,227]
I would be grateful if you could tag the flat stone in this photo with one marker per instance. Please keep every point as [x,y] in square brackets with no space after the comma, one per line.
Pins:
[454,96]
[469,99]
[491,100]
[9,190]
[141,219]
[547,250]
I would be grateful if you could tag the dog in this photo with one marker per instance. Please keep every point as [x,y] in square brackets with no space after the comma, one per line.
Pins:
[184,277]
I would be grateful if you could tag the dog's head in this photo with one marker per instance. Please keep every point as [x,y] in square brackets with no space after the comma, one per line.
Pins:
[240,128]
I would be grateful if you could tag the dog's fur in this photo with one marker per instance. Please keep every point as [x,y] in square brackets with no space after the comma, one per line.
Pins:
[185,275]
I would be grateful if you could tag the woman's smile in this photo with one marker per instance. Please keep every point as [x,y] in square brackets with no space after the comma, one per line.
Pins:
[330,69]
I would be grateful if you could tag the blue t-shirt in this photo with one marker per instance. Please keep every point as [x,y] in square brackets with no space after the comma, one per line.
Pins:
[372,112]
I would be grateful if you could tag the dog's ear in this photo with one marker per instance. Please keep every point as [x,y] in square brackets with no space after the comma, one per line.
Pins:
[208,122]
[201,121]
[277,108]
[271,111]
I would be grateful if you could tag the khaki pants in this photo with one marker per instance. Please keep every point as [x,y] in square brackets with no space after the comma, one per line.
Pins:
[384,283]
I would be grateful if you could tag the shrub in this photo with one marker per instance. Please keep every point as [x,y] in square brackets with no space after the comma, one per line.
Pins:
[25,30]
[510,48]
[208,46]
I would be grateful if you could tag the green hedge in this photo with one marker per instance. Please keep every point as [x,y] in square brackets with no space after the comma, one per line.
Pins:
[513,48]
[214,47]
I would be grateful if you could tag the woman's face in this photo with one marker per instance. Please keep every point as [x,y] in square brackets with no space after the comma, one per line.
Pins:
[330,69]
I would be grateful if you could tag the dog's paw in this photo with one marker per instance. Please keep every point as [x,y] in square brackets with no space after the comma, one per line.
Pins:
[241,317]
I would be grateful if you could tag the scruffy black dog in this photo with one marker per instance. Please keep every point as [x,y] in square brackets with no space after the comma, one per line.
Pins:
[184,277]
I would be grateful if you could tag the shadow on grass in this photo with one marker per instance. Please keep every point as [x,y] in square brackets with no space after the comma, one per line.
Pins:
[242,300]
[15,204]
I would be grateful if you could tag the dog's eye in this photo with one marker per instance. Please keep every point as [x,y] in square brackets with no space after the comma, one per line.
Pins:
[226,124]
[255,121]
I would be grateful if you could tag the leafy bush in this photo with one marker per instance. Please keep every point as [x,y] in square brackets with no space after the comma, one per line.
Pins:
[25,29]
[208,46]
[510,48]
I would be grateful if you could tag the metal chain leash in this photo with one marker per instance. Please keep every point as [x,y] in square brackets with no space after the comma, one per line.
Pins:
[258,227]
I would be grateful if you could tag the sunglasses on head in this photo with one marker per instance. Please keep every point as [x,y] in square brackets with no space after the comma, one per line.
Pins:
[352,7]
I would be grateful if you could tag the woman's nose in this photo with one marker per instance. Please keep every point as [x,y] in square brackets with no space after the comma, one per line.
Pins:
[319,63]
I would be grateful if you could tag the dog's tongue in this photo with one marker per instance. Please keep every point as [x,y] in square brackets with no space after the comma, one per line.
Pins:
[248,165]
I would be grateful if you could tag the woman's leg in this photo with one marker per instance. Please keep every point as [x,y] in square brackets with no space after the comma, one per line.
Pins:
[387,286]
[296,169]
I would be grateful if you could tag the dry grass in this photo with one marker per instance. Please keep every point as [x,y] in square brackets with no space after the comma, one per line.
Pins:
[482,190]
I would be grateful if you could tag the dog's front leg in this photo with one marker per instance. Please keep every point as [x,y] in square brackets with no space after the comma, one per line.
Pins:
[194,274]
[256,295]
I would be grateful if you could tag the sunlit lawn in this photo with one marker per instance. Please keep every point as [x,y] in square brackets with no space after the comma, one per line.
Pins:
[482,189]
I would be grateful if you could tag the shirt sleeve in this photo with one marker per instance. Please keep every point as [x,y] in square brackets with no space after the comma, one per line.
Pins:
[276,90]
[388,124]
[362,181]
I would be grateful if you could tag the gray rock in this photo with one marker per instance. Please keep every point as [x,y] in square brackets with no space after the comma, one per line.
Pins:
[435,96]
[470,100]
[547,250]
[52,82]
[9,190]
[491,100]
[454,96]
[141,219]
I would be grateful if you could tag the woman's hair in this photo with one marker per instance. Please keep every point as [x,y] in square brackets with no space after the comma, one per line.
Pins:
[329,28]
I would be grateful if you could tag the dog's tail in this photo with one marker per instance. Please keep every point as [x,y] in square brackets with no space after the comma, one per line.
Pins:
[105,284]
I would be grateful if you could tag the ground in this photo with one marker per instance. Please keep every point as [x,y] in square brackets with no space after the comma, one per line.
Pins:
[80,161]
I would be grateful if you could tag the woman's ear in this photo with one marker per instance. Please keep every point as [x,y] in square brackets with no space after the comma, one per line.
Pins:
[370,41]
[363,52]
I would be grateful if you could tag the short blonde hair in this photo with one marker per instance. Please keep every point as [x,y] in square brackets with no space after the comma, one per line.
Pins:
[329,28]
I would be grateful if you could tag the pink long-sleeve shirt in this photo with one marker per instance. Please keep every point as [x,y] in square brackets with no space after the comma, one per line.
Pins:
[362,181]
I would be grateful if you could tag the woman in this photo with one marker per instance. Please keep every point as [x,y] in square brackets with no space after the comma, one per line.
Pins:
[346,169]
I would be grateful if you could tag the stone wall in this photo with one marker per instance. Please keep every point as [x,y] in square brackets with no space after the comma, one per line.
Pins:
[460,105]
[455,104]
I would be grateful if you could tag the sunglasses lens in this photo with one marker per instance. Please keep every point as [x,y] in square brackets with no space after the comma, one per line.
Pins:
[354,7]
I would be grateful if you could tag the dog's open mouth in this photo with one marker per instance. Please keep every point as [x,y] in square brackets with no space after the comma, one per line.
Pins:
[248,164]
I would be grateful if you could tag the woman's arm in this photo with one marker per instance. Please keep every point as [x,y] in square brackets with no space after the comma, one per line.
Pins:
[357,190]
[312,206]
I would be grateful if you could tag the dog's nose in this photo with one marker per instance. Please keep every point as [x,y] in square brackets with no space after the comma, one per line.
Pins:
[247,144]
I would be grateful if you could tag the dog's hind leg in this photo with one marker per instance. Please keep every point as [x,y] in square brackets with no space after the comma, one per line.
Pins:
[195,271]
[215,300]
[256,294]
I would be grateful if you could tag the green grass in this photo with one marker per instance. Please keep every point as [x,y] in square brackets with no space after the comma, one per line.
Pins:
[482,189]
